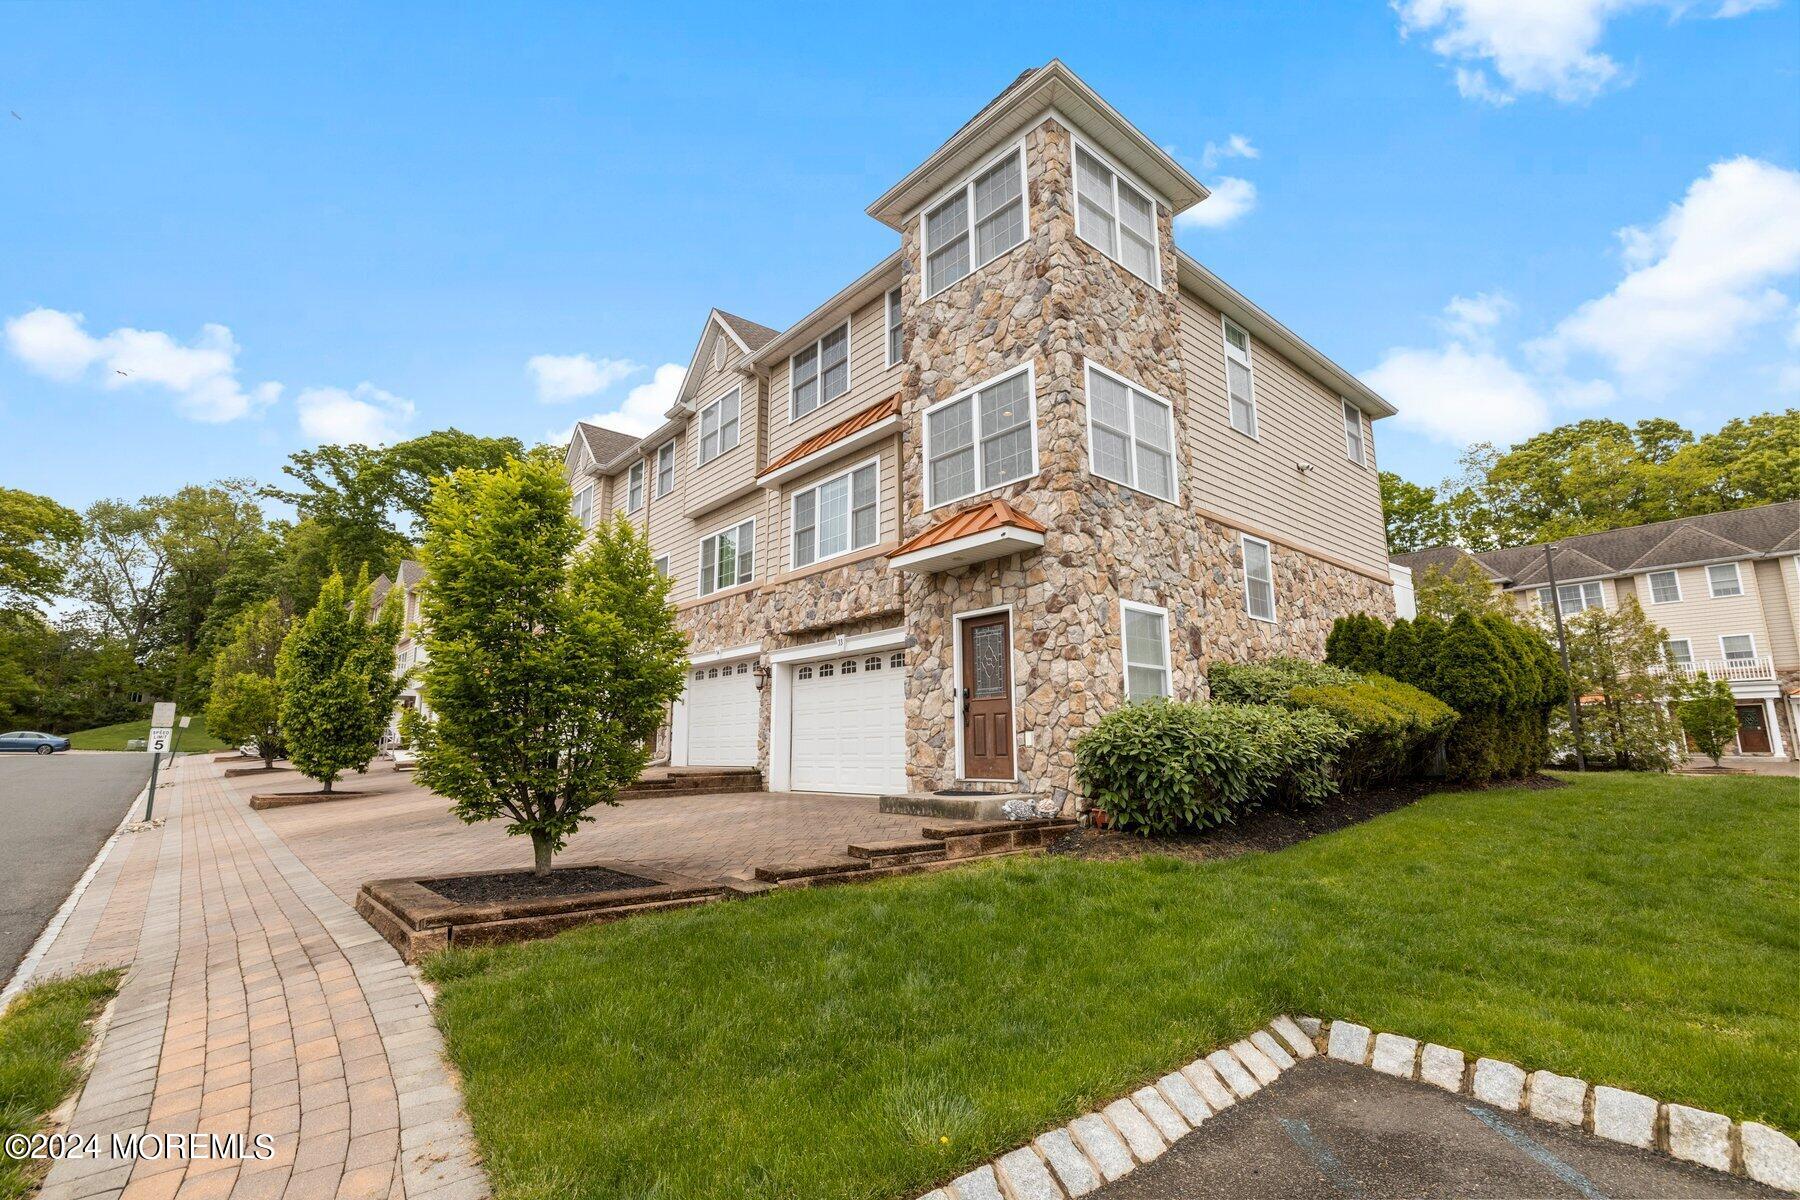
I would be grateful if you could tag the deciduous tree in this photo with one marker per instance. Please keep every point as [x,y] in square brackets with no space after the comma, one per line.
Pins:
[1708,714]
[337,681]
[245,704]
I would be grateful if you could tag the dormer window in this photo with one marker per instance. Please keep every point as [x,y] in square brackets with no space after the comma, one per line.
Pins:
[976,223]
[821,372]
[718,427]
[1115,216]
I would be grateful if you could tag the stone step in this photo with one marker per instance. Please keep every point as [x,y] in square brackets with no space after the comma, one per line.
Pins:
[777,872]
[1021,835]
[892,849]
[940,832]
[697,783]
[953,808]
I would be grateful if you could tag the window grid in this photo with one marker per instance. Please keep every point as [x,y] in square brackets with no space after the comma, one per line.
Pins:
[1576,598]
[634,487]
[1259,579]
[1665,587]
[836,516]
[980,221]
[1353,434]
[1131,435]
[1738,647]
[719,427]
[1240,378]
[665,469]
[983,439]
[1680,652]
[1144,632]
[1115,217]
[1722,580]
[728,558]
[819,373]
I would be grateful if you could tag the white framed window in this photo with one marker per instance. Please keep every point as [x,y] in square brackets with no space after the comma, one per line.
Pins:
[1353,435]
[1576,597]
[982,438]
[1722,580]
[582,505]
[1665,587]
[662,565]
[976,223]
[1259,579]
[893,327]
[835,516]
[634,486]
[728,557]
[1131,434]
[1679,652]
[1240,377]
[1115,216]
[1738,647]
[718,426]
[665,468]
[1144,629]
[819,373]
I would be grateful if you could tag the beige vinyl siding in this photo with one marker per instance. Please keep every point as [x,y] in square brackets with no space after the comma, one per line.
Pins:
[670,529]
[1703,620]
[1773,587]
[736,467]
[871,379]
[1527,598]
[684,558]
[1335,507]
[620,485]
[888,501]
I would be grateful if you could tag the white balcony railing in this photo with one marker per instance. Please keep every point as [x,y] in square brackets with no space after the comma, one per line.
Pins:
[1734,670]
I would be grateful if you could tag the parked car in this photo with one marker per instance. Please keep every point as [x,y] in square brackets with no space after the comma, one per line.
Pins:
[25,741]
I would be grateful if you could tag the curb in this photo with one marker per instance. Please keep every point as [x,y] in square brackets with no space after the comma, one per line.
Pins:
[1107,1145]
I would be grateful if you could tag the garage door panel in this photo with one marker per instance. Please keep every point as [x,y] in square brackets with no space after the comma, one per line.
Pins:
[723,712]
[849,726]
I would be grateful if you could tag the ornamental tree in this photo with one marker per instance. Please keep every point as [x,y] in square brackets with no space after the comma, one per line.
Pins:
[337,681]
[1617,658]
[1708,713]
[550,661]
[245,705]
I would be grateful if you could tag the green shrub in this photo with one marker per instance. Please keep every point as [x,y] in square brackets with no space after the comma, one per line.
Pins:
[1270,681]
[1356,643]
[1395,727]
[1166,767]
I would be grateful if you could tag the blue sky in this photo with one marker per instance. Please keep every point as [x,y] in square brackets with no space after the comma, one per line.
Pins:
[227,233]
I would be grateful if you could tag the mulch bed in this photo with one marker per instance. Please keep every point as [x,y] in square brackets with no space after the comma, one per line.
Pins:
[1270,829]
[502,886]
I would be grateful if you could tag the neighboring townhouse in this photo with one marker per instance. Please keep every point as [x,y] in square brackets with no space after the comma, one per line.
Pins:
[1725,587]
[1034,464]
[409,652]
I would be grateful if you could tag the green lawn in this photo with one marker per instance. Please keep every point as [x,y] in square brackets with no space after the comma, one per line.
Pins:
[42,1037]
[114,737]
[1641,931]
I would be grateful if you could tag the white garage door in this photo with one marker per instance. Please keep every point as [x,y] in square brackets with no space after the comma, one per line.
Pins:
[850,725]
[721,716]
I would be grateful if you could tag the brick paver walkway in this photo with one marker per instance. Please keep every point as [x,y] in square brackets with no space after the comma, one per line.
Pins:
[256,1002]
[403,829]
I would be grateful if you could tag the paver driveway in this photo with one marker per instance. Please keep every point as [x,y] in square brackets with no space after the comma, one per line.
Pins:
[405,830]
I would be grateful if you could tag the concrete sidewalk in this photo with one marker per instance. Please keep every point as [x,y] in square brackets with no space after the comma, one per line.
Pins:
[255,1002]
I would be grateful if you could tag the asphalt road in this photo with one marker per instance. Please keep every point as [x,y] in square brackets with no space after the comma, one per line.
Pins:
[55,813]
[1334,1131]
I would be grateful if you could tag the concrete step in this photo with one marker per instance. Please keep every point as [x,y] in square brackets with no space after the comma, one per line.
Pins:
[898,853]
[777,872]
[954,808]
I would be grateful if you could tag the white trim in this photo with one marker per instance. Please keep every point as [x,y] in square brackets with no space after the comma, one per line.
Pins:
[865,436]
[890,304]
[1244,539]
[1015,678]
[1011,538]
[1650,584]
[781,685]
[880,639]
[817,346]
[1361,457]
[1029,366]
[1777,748]
[1131,181]
[1226,324]
[1131,437]
[1686,643]
[663,566]
[1168,663]
[967,186]
[713,657]
[700,556]
[793,520]
[1737,574]
[699,423]
[1725,657]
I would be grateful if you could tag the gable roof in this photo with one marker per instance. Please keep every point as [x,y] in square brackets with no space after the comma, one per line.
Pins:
[1440,558]
[747,335]
[603,443]
[750,335]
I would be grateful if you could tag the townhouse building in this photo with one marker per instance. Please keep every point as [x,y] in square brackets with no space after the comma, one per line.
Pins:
[1725,587]
[1034,464]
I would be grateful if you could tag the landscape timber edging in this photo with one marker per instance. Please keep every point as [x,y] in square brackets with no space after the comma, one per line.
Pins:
[263,800]
[1108,1144]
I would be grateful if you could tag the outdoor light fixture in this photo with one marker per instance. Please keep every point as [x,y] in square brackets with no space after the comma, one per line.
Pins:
[762,675]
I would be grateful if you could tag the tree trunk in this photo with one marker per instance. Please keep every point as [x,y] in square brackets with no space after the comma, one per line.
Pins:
[326,785]
[540,850]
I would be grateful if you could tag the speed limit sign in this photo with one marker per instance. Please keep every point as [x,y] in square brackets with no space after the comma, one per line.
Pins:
[159,741]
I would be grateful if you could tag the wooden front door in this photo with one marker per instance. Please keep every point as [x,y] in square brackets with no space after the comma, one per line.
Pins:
[987,717]
[1753,734]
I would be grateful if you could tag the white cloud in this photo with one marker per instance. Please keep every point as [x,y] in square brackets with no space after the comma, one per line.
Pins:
[1460,394]
[1231,198]
[1474,317]
[561,377]
[201,376]
[1235,146]
[367,415]
[644,408]
[1695,281]
[1549,47]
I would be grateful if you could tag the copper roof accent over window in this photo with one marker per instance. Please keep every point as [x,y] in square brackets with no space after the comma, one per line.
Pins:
[879,411]
[993,514]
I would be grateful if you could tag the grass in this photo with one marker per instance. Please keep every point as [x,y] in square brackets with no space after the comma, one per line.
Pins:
[868,1041]
[113,737]
[42,1037]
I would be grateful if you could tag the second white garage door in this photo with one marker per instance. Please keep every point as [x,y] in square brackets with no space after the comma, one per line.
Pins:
[722,711]
[849,728]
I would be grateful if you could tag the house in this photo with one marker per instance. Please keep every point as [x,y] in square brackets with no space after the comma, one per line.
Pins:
[1034,464]
[1725,587]
[409,651]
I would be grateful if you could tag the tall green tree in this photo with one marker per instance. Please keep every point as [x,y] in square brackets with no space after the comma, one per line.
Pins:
[1460,587]
[337,681]
[1416,520]
[549,666]
[35,535]
[244,707]
[1618,661]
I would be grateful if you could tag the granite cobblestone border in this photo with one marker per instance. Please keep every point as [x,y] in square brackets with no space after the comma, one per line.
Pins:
[1100,1147]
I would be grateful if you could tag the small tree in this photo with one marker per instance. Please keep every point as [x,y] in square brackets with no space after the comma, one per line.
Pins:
[550,662]
[245,705]
[1618,662]
[1355,643]
[337,681]
[1460,587]
[1708,713]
